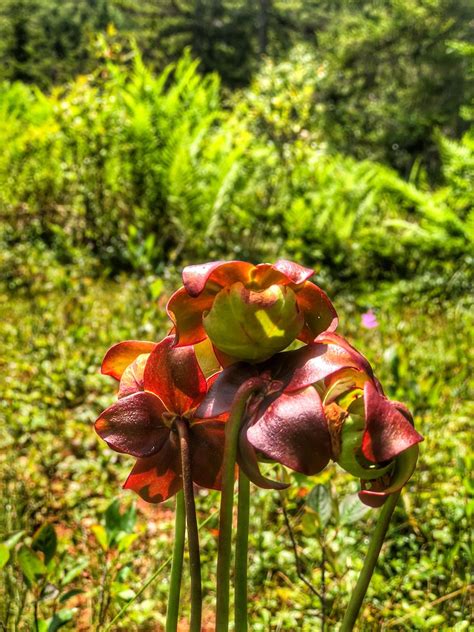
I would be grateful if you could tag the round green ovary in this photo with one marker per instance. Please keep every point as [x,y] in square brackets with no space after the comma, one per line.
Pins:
[250,325]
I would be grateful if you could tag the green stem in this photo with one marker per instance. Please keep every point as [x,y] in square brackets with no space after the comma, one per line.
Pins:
[191,522]
[366,573]
[227,499]
[176,566]
[241,553]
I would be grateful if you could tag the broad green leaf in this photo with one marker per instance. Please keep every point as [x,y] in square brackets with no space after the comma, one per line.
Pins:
[4,554]
[46,541]
[116,521]
[351,509]
[319,500]
[101,535]
[125,540]
[31,565]
[75,571]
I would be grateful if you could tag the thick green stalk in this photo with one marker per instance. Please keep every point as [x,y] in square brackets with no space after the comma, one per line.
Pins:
[366,573]
[227,499]
[177,565]
[241,553]
[191,522]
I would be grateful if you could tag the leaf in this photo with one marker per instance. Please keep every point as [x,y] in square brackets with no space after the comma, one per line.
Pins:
[319,500]
[351,509]
[46,541]
[74,572]
[125,541]
[31,565]
[116,521]
[101,535]
[59,619]
[70,593]
[4,554]
[14,539]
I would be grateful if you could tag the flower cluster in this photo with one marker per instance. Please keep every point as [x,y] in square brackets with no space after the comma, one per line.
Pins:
[233,321]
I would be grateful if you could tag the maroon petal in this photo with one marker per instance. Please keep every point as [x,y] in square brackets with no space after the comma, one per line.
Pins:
[293,271]
[207,452]
[247,460]
[222,273]
[339,346]
[157,477]
[388,431]
[221,394]
[173,373]
[318,311]
[122,354]
[293,431]
[134,425]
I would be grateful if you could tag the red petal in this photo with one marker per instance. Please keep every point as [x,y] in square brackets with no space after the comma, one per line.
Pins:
[295,273]
[222,391]
[134,425]
[173,374]
[157,477]
[388,432]
[293,431]
[247,460]
[318,311]
[222,273]
[186,314]
[339,346]
[207,451]
[132,378]
[120,355]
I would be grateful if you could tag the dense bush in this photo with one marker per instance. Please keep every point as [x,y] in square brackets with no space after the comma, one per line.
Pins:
[136,170]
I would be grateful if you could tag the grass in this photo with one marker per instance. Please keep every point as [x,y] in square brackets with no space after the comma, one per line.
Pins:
[55,470]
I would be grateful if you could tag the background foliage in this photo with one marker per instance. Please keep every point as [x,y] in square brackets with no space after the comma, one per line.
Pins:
[335,133]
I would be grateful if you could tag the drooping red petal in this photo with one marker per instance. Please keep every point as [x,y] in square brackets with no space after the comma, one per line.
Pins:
[134,425]
[186,314]
[318,311]
[207,452]
[388,432]
[313,363]
[120,355]
[374,493]
[173,373]
[340,346]
[221,394]
[132,378]
[157,477]
[293,431]
[221,273]
[293,271]
[247,460]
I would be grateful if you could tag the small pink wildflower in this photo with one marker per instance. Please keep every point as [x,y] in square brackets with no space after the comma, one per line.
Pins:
[369,320]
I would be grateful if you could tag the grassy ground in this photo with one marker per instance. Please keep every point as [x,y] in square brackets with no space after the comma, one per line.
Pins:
[54,469]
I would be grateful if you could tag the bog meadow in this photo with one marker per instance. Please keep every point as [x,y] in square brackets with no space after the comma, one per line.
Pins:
[139,138]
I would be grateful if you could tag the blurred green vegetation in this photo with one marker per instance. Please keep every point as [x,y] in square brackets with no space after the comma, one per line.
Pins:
[338,134]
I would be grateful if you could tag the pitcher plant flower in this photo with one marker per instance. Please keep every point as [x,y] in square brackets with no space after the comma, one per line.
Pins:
[249,312]
[157,388]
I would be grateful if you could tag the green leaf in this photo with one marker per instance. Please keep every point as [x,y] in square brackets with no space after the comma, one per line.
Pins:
[125,540]
[70,593]
[46,541]
[14,539]
[4,554]
[319,500]
[60,619]
[116,521]
[351,509]
[101,535]
[75,571]
[31,565]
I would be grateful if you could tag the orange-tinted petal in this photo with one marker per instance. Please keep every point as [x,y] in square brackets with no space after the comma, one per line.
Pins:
[132,378]
[120,355]
[293,271]
[218,273]
[134,425]
[186,314]
[173,374]
[158,477]
[318,311]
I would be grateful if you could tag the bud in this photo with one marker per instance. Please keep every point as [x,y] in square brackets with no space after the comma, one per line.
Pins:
[253,325]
